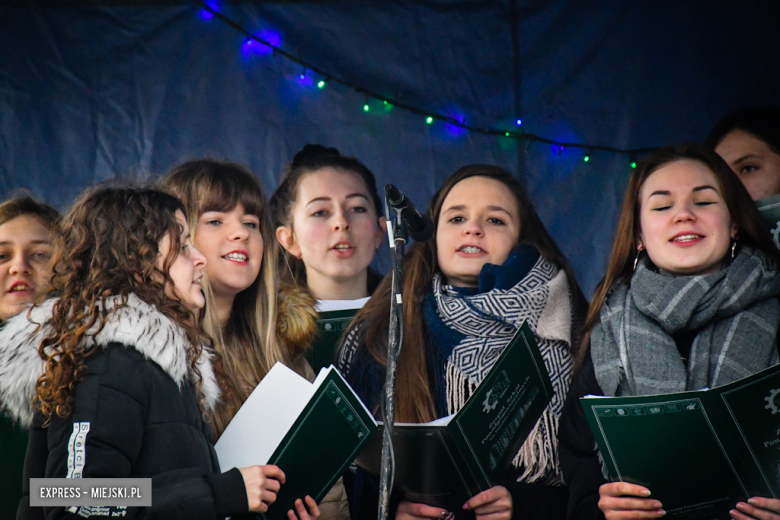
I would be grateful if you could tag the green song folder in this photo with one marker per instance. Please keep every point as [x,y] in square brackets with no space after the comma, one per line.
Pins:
[447,461]
[698,452]
[330,327]
[312,431]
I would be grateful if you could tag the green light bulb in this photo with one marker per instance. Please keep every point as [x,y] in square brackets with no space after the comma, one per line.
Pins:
[586,158]
[385,101]
[321,84]
[507,134]
[365,107]
[429,120]
[633,165]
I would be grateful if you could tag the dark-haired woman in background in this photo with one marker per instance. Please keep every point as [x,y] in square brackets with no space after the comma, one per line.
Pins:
[691,273]
[25,253]
[490,263]
[749,141]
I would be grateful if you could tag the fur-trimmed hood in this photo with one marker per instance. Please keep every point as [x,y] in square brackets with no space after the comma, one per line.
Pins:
[296,323]
[137,325]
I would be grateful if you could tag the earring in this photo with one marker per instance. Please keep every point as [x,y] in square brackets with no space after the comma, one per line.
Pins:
[636,258]
[733,248]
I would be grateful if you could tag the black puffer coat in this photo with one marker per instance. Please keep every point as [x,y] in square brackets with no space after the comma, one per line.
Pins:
[136,411]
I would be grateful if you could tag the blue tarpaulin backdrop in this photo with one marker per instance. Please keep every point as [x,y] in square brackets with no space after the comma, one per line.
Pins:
[89,92]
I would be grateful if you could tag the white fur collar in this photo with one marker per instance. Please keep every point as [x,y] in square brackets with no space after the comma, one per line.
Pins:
[137,325]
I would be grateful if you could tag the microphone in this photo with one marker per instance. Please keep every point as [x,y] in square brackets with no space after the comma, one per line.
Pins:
[419,226]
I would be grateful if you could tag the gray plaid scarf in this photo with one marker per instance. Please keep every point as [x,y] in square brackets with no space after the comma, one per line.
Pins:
[734,311]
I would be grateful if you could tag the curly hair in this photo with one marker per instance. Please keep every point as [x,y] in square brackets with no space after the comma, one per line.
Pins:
[108,246]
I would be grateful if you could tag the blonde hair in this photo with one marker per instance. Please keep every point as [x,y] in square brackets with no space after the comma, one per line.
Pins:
[250,343]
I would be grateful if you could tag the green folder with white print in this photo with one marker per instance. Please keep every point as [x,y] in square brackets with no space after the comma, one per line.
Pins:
[769,208]
[311,431]
[445,462]
[699,453]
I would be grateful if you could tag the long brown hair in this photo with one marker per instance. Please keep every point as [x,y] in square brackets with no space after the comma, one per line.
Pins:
[312,158]
[751,229]
[108,246]
[250,343]
[414,399]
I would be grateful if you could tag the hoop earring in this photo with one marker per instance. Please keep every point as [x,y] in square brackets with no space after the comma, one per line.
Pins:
[636,258]
[733,248]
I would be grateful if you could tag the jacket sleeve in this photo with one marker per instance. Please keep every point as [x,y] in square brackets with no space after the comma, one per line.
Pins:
[335,505]
[578,453]
[104,436]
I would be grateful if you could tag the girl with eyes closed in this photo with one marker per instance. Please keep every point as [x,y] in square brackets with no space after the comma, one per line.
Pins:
[255,321]
[490,251]
[691,273]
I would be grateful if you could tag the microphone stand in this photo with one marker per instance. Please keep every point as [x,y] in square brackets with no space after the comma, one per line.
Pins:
[398,235]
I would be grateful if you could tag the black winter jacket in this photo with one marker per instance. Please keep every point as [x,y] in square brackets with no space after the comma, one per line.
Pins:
[137,412]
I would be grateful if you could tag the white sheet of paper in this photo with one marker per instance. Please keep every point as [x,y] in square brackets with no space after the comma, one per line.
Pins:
[441,421]
[340,305]
[264,419]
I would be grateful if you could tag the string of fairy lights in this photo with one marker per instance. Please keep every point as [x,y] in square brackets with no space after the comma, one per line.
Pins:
[211,10]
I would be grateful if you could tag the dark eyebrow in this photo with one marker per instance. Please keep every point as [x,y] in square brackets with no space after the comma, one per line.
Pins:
[746,157]
[667,193]
[660,192]
[461,207]
[328,199]
[498,208]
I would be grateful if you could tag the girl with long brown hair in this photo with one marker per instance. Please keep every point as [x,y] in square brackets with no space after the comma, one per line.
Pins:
[328,219]
[121,374]
[327,216]
[254,319]
[691,272]
[489,259]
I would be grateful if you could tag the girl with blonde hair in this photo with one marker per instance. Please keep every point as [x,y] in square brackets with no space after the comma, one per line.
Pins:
[254,320]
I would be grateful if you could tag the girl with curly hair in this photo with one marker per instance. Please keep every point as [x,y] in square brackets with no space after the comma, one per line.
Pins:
[120,374]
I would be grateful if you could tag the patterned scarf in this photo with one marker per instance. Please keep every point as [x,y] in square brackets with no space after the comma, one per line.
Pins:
[482,324]
[734,312]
